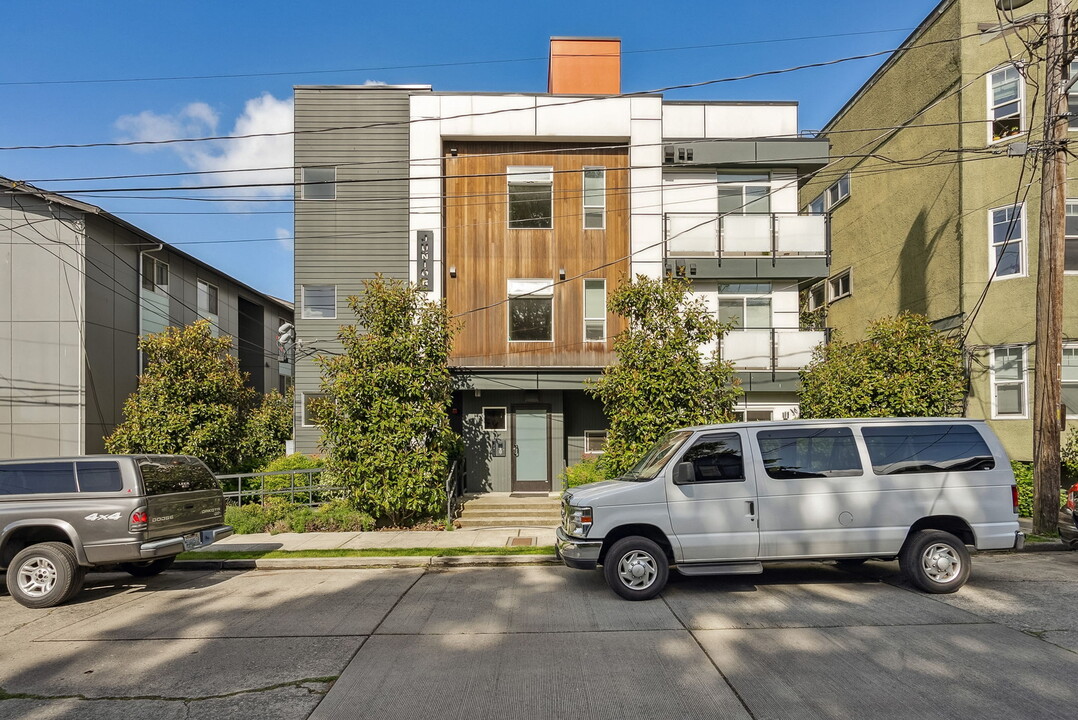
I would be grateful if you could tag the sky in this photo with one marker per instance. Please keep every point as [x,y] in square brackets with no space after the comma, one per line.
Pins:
[163,63]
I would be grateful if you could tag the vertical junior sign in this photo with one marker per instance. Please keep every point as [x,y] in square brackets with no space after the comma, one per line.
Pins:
[424,259]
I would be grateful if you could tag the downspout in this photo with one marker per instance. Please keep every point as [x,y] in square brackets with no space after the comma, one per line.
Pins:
[138,330]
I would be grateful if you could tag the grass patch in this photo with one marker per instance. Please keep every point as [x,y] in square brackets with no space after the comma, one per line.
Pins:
[1031,538]
[365,552]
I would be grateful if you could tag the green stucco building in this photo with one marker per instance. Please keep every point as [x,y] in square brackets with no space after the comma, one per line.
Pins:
[934,200]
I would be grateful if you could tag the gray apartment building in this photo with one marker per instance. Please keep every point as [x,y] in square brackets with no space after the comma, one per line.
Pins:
[525,211]
[78,286]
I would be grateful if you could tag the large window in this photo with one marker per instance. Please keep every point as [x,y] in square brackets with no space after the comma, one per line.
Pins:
[1069,377]
[42,477]
[594,309]
[594,198]
[154,275]
[744,193]
[531,310]
[319,183]
[902,449]
[1070,262]
[1005,103]
[716,458]
[1007,242]
[531,196]
[809,453]
[99,476]
[1009,382]
[746,306]
[319,301]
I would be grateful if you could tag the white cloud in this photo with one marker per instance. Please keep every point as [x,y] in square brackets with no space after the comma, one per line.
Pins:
[376,83]
[265,117]
[284,239]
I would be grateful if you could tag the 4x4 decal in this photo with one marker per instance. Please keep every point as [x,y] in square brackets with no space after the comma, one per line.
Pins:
[95,516]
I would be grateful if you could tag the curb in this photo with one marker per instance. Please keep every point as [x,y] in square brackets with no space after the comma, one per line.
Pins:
[363,563]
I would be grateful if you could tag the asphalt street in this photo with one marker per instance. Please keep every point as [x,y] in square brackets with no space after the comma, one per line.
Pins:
[801,641]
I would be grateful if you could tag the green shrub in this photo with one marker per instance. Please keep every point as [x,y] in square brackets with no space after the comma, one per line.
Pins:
[1069,456]
[295,461]
[1023,474]
[278,515]
[584,472]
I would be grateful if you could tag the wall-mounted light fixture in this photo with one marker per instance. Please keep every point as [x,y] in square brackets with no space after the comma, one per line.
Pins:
[453,152]
[452,271]
[561,274]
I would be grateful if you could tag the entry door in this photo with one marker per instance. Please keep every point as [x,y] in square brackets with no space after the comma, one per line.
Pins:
[531,448]
[714,517]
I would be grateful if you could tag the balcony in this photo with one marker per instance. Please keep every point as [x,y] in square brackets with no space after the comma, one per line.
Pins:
[770,349]
[764,245]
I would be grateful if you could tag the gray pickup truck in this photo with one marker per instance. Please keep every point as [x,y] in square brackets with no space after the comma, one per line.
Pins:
[60,517]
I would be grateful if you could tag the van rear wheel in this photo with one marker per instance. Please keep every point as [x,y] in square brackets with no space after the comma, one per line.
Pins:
[636,568]
[44,575]
[149,568]
[935,561]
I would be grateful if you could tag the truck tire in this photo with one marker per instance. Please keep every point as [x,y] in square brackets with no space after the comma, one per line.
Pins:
[44,575]
[636,568]
[148,568]
[935,561]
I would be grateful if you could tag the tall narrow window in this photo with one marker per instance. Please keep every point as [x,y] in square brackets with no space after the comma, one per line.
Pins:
[595,309]
[1072,98]
[1005,103]
[744,193]
[531,196]
[154,275]
[1070,260]
[1008,258]
[207,299]
[309,417]
[594,198]
[319,183]
[319,301]
[1009,382]
[1069,377]
[531,310]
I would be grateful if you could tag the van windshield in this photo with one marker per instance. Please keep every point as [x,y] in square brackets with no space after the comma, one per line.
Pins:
[657,457]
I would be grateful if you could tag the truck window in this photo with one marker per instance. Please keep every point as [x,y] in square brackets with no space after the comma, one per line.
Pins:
[99,476]
[650,465]
[898,449]
[163,475]
[35,478]
[809,453]
[717,458]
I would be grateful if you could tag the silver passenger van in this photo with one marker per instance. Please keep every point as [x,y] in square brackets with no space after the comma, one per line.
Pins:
[723,499]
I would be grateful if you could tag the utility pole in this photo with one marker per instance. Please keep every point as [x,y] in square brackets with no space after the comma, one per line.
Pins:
[1049,349]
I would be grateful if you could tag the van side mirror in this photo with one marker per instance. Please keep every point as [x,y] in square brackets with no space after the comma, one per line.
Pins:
[684,473]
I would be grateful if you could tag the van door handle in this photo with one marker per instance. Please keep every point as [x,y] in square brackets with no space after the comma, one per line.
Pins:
[752,508]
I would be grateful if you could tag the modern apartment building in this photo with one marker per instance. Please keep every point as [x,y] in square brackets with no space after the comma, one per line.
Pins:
[525,211]
[935,203]
[78,286]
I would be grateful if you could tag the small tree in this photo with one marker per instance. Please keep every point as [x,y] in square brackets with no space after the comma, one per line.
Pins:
[662,380]
[903,368]
[384,417]
[192,400]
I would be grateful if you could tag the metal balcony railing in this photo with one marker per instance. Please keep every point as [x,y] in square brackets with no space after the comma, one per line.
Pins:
[752,235]
[770,349]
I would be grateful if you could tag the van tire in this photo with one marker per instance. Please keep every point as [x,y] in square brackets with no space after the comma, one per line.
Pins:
[50,574]
[636,568]
[935,561]
[149,568]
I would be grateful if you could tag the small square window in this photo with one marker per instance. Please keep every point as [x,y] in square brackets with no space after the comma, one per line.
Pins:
[594,442]
[308,419]
[840,285]
[531,310]
[319,302]
[494,418]
[319,183]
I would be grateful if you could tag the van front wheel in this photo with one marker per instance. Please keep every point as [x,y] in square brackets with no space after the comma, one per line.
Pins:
[636,568]
[935,561]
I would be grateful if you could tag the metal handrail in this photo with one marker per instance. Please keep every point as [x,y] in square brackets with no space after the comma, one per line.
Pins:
[308,486]
[720,251]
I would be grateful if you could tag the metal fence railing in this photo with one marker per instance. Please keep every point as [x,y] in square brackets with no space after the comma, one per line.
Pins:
[302,487]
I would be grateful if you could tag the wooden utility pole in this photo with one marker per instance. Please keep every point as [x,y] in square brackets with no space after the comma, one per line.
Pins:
[1049,350]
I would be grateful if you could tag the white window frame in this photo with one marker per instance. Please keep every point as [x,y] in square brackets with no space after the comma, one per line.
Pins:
[726,179]
[528,287]
[821,287]
[330,184]
[505,418]
[208,313]
[159,266]
[991,104]
[303,302]
[832,296]
[1072,413]
[585,207]
[841,188]
[589,434]
[537,175]
[1023,381]
[744,299]
[1071,202]
[1023,259]
[303,408]
[818,206]
[1072,97]
[584,305]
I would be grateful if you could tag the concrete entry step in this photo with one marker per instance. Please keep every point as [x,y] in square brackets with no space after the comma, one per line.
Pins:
[503,509]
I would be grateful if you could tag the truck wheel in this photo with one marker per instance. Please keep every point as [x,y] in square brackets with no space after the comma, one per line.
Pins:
[44,575]
[935,561]
[148,568]
[636,568]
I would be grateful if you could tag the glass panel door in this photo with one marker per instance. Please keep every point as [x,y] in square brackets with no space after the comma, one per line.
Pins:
[531,450]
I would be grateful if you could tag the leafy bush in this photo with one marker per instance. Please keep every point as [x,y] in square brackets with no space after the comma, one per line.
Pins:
[584,472]
[1069,456]
[278,516]
[295,461]
[1023,474]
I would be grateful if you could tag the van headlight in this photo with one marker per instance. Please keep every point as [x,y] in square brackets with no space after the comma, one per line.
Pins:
[578,521]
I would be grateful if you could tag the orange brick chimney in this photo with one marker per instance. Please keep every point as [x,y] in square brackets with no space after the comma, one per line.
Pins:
[584,66]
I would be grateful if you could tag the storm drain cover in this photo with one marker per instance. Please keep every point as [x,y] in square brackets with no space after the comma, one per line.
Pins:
[517,541]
